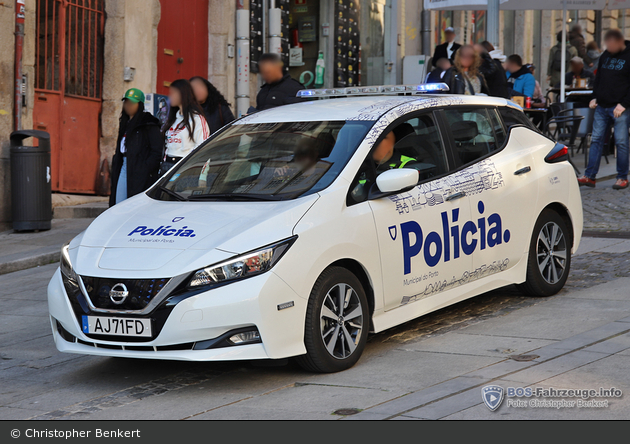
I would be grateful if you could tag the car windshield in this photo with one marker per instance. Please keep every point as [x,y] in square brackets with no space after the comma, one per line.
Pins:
[265,161]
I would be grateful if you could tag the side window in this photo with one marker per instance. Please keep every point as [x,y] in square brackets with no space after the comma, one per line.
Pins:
[473,131]
[414,143]
[422,146]
[513,117]
[499,129]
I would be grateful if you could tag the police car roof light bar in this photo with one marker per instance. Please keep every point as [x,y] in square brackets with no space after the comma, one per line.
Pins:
[374,90]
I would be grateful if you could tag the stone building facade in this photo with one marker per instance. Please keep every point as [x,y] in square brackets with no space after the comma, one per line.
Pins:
[131,36]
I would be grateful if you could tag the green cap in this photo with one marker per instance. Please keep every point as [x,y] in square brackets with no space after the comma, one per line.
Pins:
[135,95]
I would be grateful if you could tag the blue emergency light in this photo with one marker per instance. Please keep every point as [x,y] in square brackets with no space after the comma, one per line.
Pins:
[381,90]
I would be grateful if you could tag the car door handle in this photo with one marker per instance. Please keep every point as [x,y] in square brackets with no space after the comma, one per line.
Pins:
[455,196]
[522,171]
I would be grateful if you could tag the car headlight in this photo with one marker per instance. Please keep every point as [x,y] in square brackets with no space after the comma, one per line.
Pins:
[68,276]
[65,264]
[244,266]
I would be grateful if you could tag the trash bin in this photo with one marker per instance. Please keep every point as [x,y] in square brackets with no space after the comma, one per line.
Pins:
[31,200]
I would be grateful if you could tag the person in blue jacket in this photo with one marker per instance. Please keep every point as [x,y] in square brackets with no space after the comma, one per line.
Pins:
[520,78]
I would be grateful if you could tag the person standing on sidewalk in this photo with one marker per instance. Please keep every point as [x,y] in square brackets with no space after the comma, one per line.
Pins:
[554,68]
[493,72]
[446,49]
[215,108]
[612,98]
[464,77]
[138,149]
[186,127]
[279,88]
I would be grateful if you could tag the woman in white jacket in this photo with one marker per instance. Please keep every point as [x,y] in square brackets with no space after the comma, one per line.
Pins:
[186,127]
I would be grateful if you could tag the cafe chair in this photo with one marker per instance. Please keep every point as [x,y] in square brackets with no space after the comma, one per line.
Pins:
[565,130]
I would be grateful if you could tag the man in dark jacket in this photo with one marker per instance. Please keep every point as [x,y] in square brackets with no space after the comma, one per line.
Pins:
[279,88]
[446,49]
[577,40]
[494,74]
[612,100]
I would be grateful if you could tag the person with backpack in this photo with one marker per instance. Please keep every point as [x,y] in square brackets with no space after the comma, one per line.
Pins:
[138,149]
[554,69]
[215,108]
[186,127]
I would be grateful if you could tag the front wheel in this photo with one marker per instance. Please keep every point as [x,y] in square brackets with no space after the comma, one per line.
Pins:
[337,322]
[549,257]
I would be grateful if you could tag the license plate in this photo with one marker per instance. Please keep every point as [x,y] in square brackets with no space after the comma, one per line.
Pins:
[105,325]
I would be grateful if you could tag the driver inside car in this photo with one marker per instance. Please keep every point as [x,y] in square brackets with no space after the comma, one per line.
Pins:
[386,156]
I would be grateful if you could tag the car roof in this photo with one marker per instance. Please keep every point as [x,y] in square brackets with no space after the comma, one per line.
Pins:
[361,108]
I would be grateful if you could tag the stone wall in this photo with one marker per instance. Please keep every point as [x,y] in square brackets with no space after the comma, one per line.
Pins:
[221,32]
[130,40]
[7,42]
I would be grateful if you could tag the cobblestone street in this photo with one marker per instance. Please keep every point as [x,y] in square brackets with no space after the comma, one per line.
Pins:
[606,209]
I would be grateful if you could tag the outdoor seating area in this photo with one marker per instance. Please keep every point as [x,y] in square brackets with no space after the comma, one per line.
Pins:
[571,123]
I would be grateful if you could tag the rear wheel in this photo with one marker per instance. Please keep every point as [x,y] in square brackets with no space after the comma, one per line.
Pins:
[549,258]
[337,321]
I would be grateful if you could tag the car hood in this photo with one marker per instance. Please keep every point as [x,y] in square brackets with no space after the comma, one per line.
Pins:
[143,234]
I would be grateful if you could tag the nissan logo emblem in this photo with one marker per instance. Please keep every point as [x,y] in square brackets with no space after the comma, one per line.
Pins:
[118,293]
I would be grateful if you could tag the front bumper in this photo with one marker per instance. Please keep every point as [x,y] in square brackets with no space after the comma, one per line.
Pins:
[203,317]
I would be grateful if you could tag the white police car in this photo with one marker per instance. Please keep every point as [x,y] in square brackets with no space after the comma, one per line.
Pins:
[294,231]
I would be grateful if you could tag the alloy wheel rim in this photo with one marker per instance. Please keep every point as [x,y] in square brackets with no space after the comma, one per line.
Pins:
[341,321]
[551,253]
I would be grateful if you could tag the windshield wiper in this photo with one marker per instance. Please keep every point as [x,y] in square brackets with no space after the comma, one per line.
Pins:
[172,193]
[233,196]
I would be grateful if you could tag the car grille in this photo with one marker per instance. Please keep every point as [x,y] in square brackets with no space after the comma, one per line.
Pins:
[141,292]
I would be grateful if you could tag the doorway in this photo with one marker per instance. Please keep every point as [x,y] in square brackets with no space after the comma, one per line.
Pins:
[68,89]
[182,42]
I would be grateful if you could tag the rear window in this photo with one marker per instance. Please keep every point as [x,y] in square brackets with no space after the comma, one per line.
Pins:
[513,117]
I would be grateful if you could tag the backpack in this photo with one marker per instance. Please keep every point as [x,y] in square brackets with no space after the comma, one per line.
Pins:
[556,63]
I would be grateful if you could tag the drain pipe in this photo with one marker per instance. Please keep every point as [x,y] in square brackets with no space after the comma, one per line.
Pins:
[242,61]
[426,33]
[19,45]
[275,28]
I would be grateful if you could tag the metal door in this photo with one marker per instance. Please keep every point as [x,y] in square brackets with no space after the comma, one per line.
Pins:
[68,89]
[182,42]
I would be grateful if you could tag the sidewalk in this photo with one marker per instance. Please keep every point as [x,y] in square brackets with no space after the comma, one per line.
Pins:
[72,213]
[579,339]
[26,250]
[606,170]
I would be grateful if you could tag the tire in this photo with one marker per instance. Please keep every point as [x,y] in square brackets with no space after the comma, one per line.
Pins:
[343,333]
[548,269]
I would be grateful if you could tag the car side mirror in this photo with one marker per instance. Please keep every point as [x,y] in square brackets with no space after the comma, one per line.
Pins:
[394,182]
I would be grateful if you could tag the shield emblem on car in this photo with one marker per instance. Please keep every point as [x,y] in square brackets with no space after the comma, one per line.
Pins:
[392,232]
[492,396]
